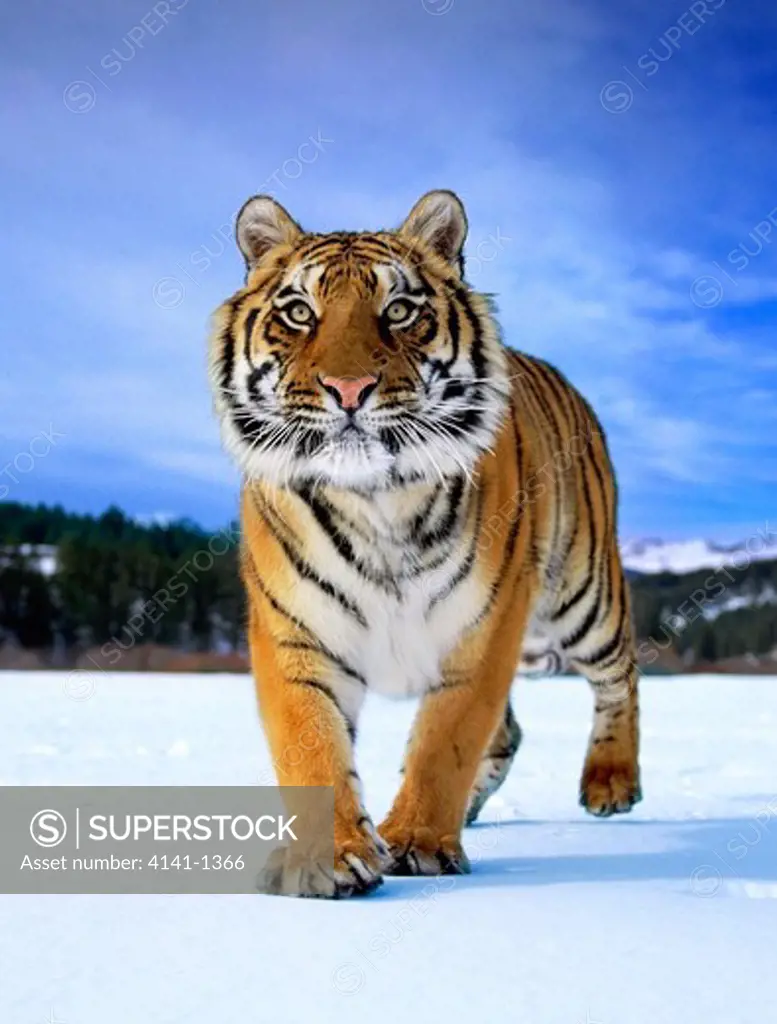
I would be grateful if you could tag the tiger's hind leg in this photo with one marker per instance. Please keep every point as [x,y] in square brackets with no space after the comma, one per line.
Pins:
[610,781]
[606,656]
[495,763]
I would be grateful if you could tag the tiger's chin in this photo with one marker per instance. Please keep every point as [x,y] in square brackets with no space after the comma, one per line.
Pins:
[353,461]
[361,463]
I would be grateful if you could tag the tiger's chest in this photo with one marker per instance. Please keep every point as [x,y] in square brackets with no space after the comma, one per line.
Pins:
[411,603]
[409,635]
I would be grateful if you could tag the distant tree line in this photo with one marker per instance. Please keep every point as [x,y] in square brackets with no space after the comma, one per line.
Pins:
[708,615]
[116,582]
[71,582]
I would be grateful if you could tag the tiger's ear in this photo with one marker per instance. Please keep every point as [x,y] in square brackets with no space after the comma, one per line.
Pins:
[438,219]
[262,224]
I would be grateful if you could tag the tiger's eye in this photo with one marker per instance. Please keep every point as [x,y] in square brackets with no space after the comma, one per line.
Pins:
[299,313]
[398,310]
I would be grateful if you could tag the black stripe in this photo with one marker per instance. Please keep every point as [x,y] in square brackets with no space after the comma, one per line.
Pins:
[323,688]
[309,443]
[561,388]
[322,512]
[304,569]
[550,416]
[419,521]
[255,376]
[252,430]
[248,331]
[459,423]
[317,244]
[610,652]
[274,603]
[476,351]
[591,564]
[319,648]
[607,649]
[593,545]
[576,598]
[453,331]
[606,562]
[325,514]
[228,348]
[583,628]
[467,564]
[430,332]
[535,384]
[512,537]
[442,530]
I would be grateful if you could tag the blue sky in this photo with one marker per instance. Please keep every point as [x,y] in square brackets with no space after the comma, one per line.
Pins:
[616,160]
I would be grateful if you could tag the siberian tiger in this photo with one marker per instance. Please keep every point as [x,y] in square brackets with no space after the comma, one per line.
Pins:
[418,501]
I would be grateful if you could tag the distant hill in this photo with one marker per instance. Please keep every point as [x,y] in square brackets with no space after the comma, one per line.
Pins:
[651,556]
[165,593]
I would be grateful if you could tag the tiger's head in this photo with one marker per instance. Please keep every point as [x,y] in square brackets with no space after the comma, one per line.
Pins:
[353,359]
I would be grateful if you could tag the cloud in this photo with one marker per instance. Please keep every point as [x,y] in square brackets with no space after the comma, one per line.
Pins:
[591,227]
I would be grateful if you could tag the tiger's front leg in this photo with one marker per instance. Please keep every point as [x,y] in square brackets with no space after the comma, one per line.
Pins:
[309,716]
[454,726]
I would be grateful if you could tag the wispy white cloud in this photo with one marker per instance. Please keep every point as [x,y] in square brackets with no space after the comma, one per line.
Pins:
[604,221]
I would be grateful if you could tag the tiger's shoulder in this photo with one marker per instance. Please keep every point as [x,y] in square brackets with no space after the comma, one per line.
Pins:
[547,405]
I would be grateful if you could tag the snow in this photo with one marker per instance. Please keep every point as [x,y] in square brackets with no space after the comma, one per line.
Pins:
[679,557]
[42,557]
[667,915]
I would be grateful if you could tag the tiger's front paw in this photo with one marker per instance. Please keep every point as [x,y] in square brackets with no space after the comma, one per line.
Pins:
[355,870]
[418,851]
[359,864]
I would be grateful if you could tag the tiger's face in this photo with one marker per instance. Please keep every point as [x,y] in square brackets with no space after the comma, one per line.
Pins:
[356,360]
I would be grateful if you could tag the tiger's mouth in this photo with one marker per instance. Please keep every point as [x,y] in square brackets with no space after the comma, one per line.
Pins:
[351,432]
[374,448]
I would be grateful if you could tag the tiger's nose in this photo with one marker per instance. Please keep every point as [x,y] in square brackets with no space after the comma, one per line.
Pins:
[349,392]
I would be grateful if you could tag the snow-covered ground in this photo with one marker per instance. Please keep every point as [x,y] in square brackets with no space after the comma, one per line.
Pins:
[667,915]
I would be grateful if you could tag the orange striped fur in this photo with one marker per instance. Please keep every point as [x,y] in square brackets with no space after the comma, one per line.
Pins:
[421,505]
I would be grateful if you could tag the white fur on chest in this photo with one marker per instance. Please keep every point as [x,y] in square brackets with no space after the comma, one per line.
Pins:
[411,628]
[402,651]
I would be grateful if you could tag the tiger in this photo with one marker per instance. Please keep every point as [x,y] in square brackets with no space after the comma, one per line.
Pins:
[419,505]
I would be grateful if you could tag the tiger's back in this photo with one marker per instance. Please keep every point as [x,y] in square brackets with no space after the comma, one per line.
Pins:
[567,478]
